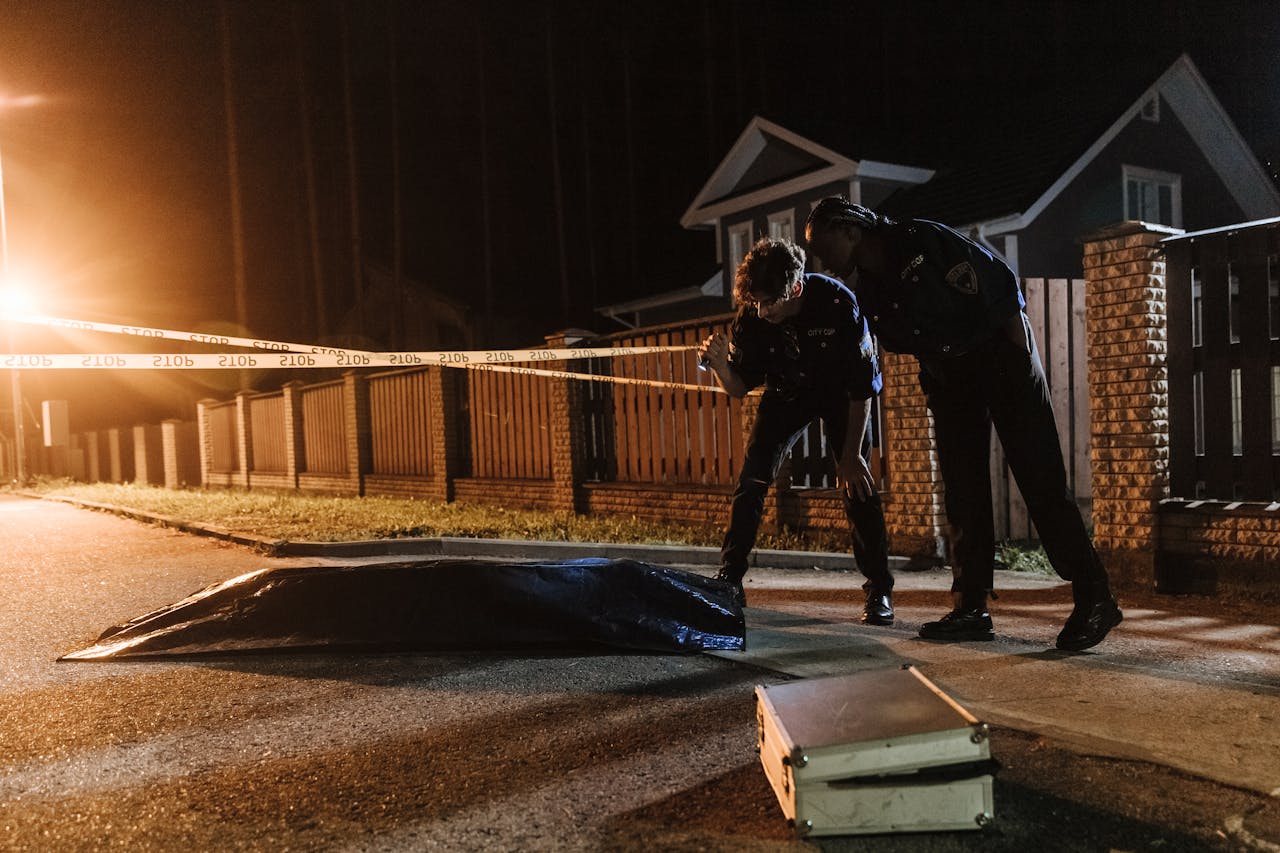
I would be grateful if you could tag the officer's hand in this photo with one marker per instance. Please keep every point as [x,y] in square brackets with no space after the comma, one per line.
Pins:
[853,476]
[715,351]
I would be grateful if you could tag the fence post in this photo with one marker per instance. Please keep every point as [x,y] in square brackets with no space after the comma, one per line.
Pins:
[359,440]
[294,433]
[93,462]
[169,452]
[568,443]
[914,510]
[204,437]
[444,422]
[1127,332]
[244,439]
[115,460]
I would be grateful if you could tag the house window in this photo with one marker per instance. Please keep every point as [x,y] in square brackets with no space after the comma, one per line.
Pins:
[1273,295]
[1152,196]
[739,244]
[1151,109]
[1237,419]
[1275,410]
[1197,409]
[1233,309]
[782,226]
[1197,308]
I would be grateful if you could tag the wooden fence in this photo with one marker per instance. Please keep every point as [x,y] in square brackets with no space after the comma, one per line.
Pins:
[664,435]
[1056,309]
[383,428]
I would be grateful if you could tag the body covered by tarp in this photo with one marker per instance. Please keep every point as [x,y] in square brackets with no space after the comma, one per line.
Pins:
[442,605]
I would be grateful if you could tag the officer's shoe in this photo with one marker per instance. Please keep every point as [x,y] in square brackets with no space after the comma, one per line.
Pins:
[960,625]
[879,607]
[735,583]
[1089,624]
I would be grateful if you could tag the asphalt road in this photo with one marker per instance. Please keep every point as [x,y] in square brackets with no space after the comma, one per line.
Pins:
[550,752]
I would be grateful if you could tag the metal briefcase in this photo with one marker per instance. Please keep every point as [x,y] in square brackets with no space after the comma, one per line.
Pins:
[880,751]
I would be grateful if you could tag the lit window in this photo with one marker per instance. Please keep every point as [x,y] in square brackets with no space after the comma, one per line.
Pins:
[1197,308]
[1273,295]
[739,244]
[1197,408]
[782,226]
[1233,311]
[1152,196]
[1237,419]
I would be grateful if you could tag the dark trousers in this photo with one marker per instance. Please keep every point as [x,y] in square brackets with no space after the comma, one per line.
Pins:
[1002,383]
[779,423]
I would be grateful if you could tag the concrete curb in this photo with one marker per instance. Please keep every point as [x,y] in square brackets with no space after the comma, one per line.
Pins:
[457,546]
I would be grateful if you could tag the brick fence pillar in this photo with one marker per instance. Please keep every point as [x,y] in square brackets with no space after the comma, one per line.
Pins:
[204,439]
[445,421]
[244,439]
[93,457]
[359,437]
[568,436]
[1126,333]
[914,512]
[170,453]
[294,453]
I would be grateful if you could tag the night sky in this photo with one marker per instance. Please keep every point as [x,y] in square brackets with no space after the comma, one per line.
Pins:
[117,190]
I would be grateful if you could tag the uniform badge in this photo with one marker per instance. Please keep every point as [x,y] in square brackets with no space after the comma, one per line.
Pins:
[963,278]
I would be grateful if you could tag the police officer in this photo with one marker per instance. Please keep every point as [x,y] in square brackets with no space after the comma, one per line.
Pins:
[929,291]
[803,336]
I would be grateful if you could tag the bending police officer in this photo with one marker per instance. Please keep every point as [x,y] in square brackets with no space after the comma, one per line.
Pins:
[929,291]
[803,336]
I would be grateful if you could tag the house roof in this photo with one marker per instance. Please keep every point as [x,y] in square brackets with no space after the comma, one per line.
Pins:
[1014,174]
[769,160]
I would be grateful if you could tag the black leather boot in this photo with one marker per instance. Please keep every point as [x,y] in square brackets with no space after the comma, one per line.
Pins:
[964,624]
[735,582]
[1092,618]
[879,607]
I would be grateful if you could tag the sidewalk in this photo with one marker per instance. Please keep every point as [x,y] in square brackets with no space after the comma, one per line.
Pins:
[1182,682]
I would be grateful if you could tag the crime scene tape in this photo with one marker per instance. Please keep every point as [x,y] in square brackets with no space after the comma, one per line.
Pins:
[441,357]
[279,354]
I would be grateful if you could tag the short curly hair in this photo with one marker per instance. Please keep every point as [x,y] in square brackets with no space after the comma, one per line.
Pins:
[768,270]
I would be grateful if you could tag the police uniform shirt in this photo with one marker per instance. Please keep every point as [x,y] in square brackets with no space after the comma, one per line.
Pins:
[826,347]
[941,294]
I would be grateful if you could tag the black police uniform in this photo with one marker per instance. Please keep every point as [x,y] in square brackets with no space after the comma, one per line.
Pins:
[951,303]
[813,365]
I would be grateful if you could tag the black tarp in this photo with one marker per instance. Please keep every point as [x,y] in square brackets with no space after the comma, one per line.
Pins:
[439,605]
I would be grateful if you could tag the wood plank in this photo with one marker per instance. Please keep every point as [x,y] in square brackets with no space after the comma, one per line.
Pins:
[999,490]
[680,366]
[1081,419]
[657,454]
[637,434]
[1057,327]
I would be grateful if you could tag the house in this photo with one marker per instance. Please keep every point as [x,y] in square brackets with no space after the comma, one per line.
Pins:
[1164,152]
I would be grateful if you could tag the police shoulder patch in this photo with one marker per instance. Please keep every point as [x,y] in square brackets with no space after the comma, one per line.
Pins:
[964,278]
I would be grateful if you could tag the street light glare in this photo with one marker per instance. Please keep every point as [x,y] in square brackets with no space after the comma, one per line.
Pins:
[16,299]
[7,101]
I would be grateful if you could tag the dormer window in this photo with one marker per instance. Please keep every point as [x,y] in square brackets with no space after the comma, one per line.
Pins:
[1151,109]
[1151,196]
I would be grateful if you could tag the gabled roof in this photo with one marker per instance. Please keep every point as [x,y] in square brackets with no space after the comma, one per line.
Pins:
[769,161]
[1015,175]
[713,287]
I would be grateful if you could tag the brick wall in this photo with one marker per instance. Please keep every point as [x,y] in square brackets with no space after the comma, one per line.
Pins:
[1219,546]
[914,511]
[1127,337]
